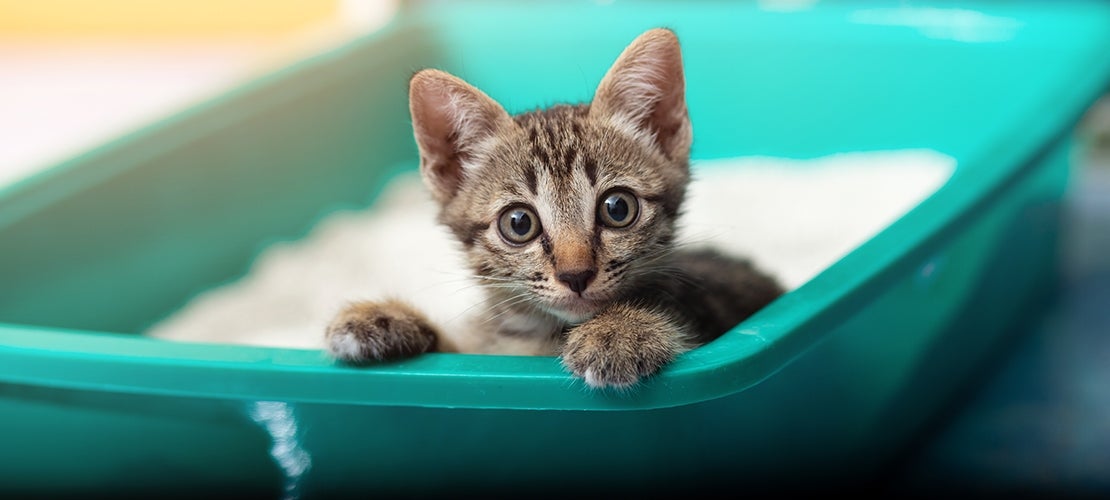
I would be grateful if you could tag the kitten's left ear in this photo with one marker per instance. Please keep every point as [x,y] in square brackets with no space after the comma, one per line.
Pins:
[644,93]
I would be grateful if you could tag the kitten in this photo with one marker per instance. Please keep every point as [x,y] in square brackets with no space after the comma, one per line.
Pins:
[567,216]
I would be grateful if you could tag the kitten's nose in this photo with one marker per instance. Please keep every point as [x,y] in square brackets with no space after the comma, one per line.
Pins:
[577,281]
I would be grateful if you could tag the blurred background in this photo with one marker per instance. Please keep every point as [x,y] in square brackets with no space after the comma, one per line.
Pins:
[1039,426]
[74,74]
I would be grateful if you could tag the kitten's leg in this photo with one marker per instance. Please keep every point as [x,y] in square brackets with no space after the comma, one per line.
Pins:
[376,331]
[713,291]
[702,295]
[623,344]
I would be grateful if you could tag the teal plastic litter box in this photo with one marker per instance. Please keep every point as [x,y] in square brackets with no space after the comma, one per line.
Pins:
[848,368]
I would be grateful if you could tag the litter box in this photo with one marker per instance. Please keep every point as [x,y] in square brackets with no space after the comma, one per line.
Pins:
[827,386]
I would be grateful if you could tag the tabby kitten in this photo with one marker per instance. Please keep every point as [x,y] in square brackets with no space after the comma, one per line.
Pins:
[567,216]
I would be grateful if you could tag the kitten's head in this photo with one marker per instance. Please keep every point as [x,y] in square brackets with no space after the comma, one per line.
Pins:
[565,207]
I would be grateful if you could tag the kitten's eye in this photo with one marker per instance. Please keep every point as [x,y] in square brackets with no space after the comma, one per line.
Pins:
[519,224]
[618,208]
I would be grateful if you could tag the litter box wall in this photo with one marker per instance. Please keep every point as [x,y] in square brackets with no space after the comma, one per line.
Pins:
[116,238]
[828,383]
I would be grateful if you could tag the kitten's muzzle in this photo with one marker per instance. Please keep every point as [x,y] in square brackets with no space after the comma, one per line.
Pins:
[577,281]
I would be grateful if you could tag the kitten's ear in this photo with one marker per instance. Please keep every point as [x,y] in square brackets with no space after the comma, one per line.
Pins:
[450,119]
[644,93]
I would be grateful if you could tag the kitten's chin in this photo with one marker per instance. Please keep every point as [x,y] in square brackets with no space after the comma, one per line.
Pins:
[574,310]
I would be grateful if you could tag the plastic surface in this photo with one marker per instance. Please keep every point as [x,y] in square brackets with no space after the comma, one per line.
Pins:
[826,382]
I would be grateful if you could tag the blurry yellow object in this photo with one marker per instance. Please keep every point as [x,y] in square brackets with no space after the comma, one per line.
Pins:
[162,17]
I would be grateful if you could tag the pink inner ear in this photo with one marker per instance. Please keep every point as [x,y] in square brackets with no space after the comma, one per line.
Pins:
[449,119]
[646,88]
[433,128]
[669,118]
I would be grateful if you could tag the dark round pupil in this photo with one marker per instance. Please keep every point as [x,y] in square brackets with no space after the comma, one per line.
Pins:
[616,207]
[520,222]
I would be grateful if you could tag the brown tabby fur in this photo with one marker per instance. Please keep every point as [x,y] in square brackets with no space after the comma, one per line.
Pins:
[645,301]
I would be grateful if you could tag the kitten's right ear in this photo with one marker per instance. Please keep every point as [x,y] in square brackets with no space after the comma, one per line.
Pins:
[451,120]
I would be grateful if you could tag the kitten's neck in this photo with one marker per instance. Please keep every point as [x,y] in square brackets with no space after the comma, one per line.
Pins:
[507,315]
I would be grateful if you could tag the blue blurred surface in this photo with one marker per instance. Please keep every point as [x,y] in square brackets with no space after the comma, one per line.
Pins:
[1039,425]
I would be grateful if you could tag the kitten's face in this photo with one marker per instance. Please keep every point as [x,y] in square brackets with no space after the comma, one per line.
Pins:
[566,209]
[561,209]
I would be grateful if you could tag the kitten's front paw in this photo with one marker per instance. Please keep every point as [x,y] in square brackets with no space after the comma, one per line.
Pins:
[621,346]
[377,331]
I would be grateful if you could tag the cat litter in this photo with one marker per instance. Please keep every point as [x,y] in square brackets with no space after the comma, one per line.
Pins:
[790,217]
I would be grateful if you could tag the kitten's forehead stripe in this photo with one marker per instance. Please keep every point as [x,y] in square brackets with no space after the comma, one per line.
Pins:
[540,152]
[590,167]
[554,136]
[569,155]
[530,178]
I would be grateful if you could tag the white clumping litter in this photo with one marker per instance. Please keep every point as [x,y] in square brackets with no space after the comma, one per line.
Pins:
[795,218]
[792,218]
